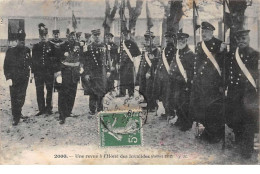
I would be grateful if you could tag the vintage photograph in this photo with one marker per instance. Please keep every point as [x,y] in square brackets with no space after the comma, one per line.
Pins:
[134,82]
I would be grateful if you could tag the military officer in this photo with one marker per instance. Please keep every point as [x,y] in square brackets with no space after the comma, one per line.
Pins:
[17,71]
[84,47]
[69,76]
[242,113]
[162,73]
[148,65]
[127,69]
[55,43]
[181,75]
[111,59]
[207,89]
[43,72]
[95,73]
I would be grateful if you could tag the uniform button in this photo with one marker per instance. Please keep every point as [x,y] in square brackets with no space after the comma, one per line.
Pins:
[195,73]
[203,67]
[241,55]
[201,73]
[231,82]
[211,48]
[233,53]
[175,66]
[238,79]
[195,58]
[231,67]
[206,62]
[213,43]
[195,63]
[237,83]
[168,51]
[231,72]
[246,60]
[231,62]
[231,77]
[166,54]
[240,74]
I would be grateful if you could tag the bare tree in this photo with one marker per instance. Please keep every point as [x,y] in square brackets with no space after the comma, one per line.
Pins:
[109,16]
[134,13]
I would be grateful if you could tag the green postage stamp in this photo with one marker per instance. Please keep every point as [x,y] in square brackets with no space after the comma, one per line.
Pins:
[120,128]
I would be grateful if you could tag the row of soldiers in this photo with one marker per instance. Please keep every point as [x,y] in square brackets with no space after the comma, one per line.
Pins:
[212,86]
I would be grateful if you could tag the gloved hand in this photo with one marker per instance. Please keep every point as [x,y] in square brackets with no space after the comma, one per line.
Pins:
[9,82]
[66,54]
[148,75]
[108,74]
[87,77]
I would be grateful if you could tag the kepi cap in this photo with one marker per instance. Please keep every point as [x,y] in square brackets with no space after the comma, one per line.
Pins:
[207,26]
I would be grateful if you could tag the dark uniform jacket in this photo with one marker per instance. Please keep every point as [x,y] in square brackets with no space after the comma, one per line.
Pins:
[95,66]
[56,56]
[161,74]
[126,65]
[178,85]
[146,86]
[243,99]
[41,58]
[207,83]
[17,63]
[74,58]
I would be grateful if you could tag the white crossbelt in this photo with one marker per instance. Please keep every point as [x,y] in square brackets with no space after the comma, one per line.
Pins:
[70,64]
[147,59]
[165,62]
[180,66]
[210,57]
[128,52]
[244,69]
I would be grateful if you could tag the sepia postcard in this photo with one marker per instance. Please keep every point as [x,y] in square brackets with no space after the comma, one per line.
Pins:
[94,82]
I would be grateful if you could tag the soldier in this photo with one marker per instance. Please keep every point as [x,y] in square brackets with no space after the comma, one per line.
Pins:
[162,73]
[207,89]
[43,72]
[111,59]
[242,112]
[17,71]
[95,73]
[55,43]
[148,64]
[84,47]
[69,76]
[181,75]
[127,68]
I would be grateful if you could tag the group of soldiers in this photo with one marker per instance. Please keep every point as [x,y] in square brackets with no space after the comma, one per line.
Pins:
[211,86]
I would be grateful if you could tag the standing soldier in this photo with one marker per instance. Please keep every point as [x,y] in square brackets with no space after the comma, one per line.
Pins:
[181,75]
[162,73]
[95,73]
[43,72]
[111,59]
[84,48]
[69,76]
[55,43]
[243,93]
[17,71]
[127,68]
[148,64]
[207,89]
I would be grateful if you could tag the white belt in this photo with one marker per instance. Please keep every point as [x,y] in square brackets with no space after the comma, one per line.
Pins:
[70,64]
